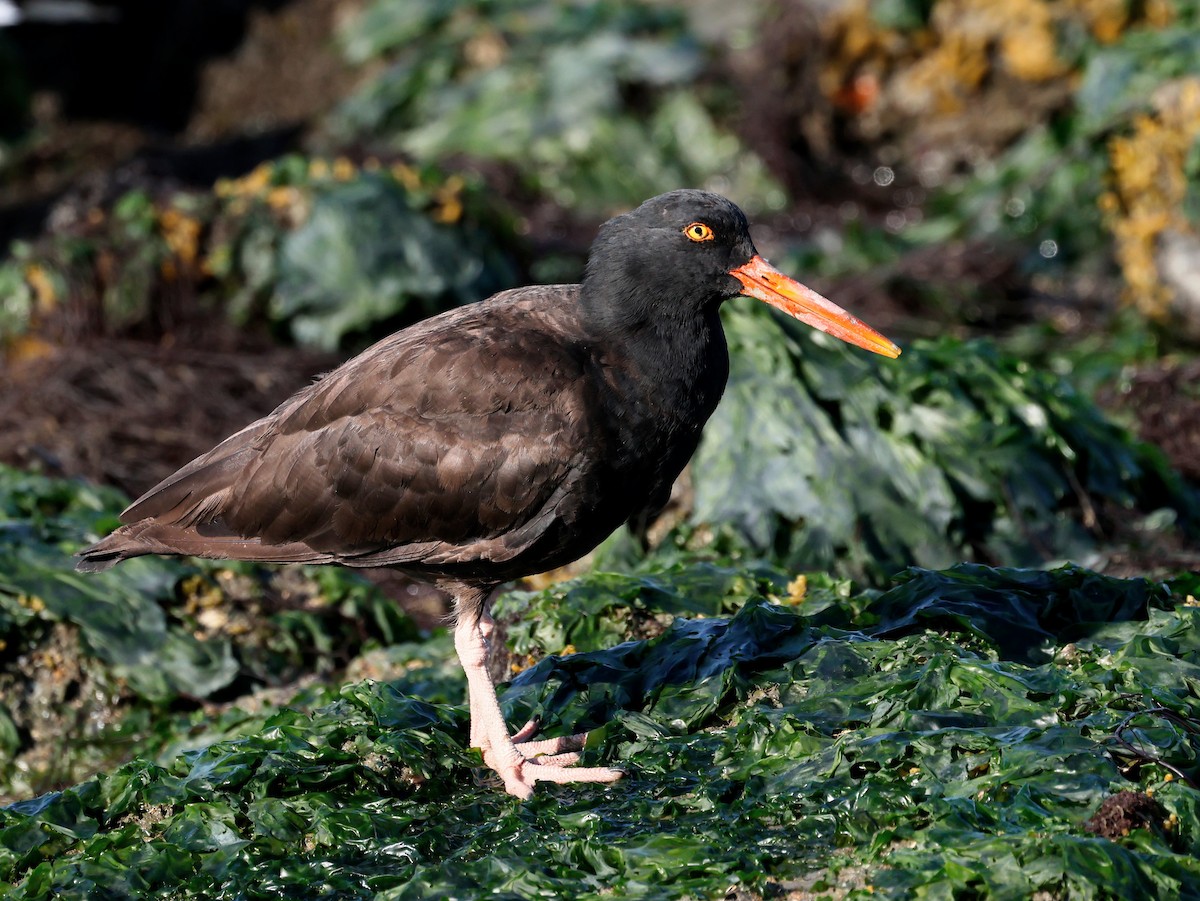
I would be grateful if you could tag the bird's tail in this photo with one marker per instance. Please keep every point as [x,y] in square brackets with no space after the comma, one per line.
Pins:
[108,552]
[150,537]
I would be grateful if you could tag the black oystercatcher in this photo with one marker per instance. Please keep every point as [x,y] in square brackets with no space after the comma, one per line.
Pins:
[494,441]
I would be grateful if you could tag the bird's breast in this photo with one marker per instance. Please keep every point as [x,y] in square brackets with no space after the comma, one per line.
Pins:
[656,404]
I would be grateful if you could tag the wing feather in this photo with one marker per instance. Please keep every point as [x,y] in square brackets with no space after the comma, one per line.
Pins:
[451,442]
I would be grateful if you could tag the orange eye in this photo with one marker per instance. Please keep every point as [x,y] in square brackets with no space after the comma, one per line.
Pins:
[698,232]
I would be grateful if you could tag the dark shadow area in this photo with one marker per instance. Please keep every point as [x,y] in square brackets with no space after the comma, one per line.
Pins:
[141,66]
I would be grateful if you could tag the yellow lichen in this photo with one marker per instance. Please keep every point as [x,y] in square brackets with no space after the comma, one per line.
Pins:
[797,589]
[406,175]
[182,234]
[940,66]
[200,594]
[44,292]
[31,602]
[1030,51]
[1105,19]
[281,197]
[256,182]
[318,169]
[519,665]
[448,198]
[26,348]
[1158,13]
[1147,189]
[448,212]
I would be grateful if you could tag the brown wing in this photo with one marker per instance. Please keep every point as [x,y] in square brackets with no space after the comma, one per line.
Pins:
[450,442]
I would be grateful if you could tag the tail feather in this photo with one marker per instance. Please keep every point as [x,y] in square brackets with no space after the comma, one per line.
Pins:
[149,537]
[105,554]
[158,522]
[176,497]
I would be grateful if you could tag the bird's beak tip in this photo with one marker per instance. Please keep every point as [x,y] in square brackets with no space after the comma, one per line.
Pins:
[763,281]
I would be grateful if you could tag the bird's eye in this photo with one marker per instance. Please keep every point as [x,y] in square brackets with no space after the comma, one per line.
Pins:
[698,231]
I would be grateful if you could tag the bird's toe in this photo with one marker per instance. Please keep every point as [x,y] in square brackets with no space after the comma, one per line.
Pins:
[563,744]
[523,770]
[528,731]
[536,772]
[559,760]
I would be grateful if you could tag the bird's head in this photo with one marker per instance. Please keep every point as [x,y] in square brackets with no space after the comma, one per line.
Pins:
[689,250]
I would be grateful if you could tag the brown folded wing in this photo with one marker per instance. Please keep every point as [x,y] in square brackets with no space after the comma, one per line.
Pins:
[444,444]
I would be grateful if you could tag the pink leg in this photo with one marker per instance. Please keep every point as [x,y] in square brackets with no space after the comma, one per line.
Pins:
[513,760]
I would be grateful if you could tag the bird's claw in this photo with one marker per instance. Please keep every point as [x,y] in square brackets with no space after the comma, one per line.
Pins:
[520,776]
[548,760]
[531,749]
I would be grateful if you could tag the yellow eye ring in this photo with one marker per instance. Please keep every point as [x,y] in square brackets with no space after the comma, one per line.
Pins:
[698,232]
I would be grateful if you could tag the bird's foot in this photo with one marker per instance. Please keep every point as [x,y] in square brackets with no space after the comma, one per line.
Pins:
[548,751]
[519,760]
[521,773]
[548,760]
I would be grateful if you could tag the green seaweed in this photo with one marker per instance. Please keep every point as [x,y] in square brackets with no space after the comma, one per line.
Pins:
[543,88]
[823,458]
[94,666]
[769,747]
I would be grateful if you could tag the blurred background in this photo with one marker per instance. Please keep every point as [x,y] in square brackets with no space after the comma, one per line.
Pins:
[204,203]
[236,194]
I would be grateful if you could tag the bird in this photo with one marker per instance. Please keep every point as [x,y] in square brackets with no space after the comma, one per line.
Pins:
[494,441]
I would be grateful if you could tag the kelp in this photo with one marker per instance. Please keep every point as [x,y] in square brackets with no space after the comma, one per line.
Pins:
[329,251]
[823,458]
[798,739]
[546,88]
[93,666]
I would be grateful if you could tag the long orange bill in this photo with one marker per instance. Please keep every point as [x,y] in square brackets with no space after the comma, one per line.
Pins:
[762,280]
